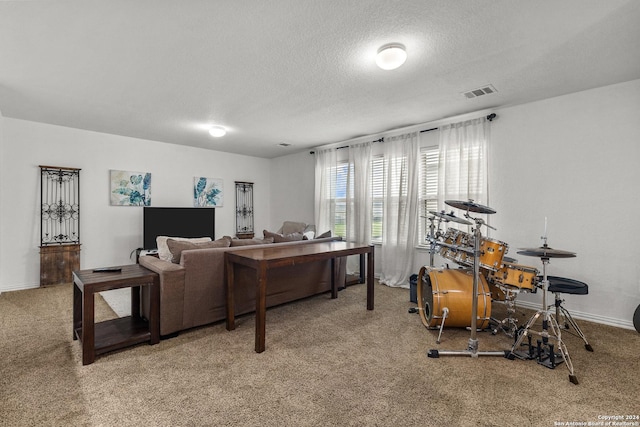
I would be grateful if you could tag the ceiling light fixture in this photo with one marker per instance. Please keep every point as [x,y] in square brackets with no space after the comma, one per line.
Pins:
[217,131]
[391,56]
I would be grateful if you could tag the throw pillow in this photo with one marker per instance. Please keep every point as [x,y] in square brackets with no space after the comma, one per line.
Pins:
[323,235]
[176,246]
[279,238]
[248,242]
[163,249]
[309,232]
[290,227]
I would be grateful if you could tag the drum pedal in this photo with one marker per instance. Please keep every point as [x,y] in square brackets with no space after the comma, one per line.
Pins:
[413,310]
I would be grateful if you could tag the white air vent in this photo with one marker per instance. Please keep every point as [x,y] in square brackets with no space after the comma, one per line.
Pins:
[485,90]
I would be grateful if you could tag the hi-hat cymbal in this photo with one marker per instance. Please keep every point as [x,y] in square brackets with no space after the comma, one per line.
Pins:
[470,206]
[546,252]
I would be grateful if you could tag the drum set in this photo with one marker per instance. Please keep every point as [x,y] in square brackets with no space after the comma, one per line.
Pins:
[462,297]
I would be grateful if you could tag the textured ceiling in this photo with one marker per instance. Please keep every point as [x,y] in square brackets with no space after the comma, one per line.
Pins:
[300,72]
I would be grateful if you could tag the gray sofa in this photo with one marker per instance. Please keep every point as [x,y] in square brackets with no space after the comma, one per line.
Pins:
[193,292]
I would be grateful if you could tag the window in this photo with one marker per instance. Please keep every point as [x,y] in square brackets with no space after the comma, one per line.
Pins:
[342,171]
[428,192]
[377,198]
[427,189]
[340,215]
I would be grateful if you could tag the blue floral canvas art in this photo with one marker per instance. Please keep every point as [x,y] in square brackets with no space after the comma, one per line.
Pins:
[130,188]
[207,192]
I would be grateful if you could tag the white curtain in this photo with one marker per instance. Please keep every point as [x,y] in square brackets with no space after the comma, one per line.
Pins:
[325,190]
[401,157]
[359,194]
[463,168]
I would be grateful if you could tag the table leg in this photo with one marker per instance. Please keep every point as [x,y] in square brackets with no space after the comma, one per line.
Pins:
[88,328]
[135,302]
[231,321]
[334,286]
[261,308]
[77,310]
[370,280]
[361,268]
[154,312]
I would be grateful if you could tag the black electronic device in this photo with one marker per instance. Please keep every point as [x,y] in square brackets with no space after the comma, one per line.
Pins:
[177,222]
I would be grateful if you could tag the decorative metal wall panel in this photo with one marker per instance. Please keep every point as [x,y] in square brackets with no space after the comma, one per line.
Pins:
[244,207]
[60,204]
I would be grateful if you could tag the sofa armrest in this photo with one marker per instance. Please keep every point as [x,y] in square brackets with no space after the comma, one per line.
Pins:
[171,293]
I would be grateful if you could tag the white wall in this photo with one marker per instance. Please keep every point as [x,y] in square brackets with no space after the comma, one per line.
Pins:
[572,159]
[108,233]
[575,160]
[1,192]
[292,190]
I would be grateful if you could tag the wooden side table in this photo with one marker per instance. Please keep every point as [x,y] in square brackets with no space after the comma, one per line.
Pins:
[102,337]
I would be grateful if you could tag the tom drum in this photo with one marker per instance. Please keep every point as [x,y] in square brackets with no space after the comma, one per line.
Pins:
[491,253]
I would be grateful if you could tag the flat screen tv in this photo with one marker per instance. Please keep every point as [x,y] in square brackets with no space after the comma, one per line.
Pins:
[177,222]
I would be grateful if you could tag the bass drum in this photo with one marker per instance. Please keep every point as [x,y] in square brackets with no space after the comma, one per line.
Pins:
[439,288]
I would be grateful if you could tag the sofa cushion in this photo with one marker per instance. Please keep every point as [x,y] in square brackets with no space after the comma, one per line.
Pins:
[163,250]
[177,246]
[290,227]
[247,242]
[279,238]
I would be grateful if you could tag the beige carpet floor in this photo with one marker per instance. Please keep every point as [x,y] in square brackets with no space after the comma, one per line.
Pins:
[327,363]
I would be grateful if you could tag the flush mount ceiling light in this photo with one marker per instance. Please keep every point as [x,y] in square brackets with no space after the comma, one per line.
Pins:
[391,56]
[217,131]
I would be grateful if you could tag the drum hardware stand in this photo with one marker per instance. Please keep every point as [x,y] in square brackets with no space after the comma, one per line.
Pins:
[545,356]
[445,313]
[509,324]
[568,320]
[472,347]
[433,236]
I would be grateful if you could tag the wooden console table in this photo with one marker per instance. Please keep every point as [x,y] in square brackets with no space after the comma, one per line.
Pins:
[99,338]
[262,260]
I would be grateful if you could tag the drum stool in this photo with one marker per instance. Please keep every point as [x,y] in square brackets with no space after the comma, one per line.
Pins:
[563,285]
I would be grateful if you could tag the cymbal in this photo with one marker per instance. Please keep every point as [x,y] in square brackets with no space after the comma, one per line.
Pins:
[546,252]
[452,217]
[441,215]
[470,206]
[449,217]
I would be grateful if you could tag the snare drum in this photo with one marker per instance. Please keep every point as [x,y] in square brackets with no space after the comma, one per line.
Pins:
[516,275]
[491,253]
[453,289]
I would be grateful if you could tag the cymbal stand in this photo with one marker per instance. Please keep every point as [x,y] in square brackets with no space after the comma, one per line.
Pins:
[472,346]
[545,356]
[432,240]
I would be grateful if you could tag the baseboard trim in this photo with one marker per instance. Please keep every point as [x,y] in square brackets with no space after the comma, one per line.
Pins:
[604,320]
[20,287]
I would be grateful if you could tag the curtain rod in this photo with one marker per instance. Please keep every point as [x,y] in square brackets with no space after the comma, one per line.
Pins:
[490,117]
